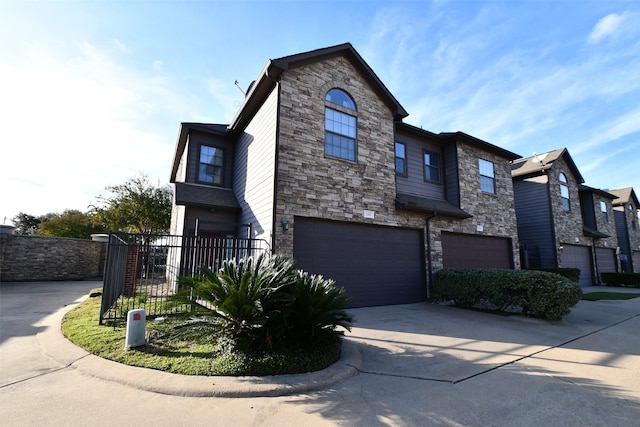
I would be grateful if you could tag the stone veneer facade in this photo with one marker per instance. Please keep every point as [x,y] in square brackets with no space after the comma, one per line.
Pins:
[605,226]
[568,225]
[495,213]
[309,184]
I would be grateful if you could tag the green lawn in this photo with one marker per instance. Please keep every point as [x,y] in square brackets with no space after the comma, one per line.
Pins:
[188,351]
[597,296]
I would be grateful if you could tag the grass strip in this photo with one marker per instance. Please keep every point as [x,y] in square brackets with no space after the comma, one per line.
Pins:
[597,296]
[187,351]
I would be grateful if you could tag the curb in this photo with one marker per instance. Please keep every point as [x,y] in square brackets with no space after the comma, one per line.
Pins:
[67,354]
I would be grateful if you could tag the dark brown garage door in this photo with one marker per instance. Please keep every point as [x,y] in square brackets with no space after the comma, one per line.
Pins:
[636,261]
[573,256]
[471,251]
[376,265]
[606,260]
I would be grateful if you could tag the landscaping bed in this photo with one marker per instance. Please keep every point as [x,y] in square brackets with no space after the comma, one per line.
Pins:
[255,316]
[533,293]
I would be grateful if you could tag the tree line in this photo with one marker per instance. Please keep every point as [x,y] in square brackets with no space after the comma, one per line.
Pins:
[137,206]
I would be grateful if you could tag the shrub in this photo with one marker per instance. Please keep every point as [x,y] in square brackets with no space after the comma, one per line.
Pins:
[572,274]
[317,307]
[264,303]
[536,293]
[621,279]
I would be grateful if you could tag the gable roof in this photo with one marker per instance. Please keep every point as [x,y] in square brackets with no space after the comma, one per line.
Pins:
[270,75]
[625,195]
[484,145]
[539,163]
[603,193]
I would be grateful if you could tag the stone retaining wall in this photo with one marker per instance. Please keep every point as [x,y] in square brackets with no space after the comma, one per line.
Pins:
[39,258]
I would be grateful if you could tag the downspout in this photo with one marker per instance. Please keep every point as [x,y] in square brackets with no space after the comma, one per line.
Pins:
[429,263]
[594,260]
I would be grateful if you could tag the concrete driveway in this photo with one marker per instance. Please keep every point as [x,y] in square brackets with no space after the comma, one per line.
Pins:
[418,364]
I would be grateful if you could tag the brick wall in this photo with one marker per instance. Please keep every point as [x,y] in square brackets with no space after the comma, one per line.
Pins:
[38,258]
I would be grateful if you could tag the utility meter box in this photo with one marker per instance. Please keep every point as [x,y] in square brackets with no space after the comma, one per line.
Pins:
[136,334]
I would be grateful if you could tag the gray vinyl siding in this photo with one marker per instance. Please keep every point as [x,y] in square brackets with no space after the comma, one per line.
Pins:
[622,232]
[181,172]
[255,152]
[588,210]
[451,174]
[534,221]
[414,183]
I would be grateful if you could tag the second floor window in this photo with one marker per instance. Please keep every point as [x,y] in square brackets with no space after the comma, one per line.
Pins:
[603,209]
[210,165]
[564,192]
[487,176]
[401,159]
[431,166]
[340,127]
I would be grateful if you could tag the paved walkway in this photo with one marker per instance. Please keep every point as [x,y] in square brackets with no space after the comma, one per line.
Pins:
[417,364]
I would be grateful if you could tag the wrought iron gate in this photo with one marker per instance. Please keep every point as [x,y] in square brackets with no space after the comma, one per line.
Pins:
[141,270]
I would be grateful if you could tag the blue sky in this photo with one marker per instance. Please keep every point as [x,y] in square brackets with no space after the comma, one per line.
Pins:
[92,92]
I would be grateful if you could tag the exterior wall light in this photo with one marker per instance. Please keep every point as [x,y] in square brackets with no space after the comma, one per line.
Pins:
[285,224]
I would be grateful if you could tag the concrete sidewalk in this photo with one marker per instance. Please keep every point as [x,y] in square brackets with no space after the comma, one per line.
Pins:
[418,364]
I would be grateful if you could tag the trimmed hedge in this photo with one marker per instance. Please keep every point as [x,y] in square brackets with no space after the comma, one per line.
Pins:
[572,274]
[631,280]
[534,293]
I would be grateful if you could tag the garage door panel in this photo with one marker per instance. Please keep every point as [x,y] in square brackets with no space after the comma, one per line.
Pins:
[636,261]
[377,265]
[606,260]
[574,256]
[473,251]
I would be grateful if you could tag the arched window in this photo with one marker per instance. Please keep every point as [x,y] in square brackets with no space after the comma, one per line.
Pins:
[340,125]
[564,192]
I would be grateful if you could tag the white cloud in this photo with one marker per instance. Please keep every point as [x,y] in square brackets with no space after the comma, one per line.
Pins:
[606,27]
[75,125]
[157,65]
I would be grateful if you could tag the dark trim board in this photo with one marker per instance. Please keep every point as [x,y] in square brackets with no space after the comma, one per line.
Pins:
[377,265]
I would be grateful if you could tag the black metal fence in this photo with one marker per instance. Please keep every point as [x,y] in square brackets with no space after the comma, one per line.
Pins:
[141,271]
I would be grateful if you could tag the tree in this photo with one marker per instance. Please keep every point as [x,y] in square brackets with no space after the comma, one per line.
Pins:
[26,224]
[136,207]
[71,223]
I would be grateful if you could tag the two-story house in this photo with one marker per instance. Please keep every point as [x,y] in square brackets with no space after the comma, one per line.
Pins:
[626,212]
[319,163]
[561,221]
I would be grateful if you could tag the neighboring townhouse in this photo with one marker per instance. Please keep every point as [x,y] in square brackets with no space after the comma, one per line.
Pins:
[318,163]
[561,221]
[626,212]
[598,223]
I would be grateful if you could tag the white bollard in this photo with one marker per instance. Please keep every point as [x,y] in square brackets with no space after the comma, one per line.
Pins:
[136,323]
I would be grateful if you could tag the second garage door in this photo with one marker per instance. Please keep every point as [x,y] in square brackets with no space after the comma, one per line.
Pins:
[472,251]
[606,260]
[574,256]
[377,265]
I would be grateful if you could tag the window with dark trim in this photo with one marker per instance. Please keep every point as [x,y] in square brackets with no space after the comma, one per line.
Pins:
[401,159]
[564,192]
[210,164]
[487,176]
[431,166]
[340,126]
[603,209]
